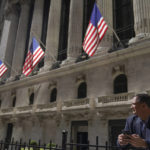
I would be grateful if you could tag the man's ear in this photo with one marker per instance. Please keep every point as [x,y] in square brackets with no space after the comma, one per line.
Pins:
[144,105]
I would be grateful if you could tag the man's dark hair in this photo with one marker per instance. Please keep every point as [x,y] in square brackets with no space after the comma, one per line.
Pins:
[144,98]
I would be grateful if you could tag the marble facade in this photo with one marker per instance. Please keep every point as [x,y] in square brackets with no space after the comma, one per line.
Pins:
[45,120]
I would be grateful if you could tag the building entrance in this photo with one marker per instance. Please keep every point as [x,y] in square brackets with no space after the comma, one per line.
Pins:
[79,133]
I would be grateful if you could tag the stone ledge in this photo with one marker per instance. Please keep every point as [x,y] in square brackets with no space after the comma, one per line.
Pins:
[93,62]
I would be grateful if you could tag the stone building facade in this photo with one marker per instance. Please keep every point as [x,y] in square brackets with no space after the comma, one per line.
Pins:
[88,97]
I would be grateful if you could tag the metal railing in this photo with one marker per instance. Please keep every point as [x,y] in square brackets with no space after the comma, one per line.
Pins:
[20,145]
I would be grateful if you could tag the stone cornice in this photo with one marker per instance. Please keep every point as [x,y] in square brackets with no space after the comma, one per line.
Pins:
[134,50]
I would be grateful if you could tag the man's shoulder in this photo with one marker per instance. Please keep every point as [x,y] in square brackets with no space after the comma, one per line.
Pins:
[133,118]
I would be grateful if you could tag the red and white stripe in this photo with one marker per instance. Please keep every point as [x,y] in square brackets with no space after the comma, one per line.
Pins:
[3,69]
[32,60]
[102,28]
[27,68]
[37,55]
[94,36]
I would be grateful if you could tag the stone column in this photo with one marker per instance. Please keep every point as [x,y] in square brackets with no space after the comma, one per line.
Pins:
[75,30]
[19,52]
[9,35]
[2,7]
[52,40]
[106,9]
[141,9]
[36,27]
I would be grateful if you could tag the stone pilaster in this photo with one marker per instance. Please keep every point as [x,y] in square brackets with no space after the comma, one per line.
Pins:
[141,9]
[36,27]
[3,127]
[9,35]
[105,7]
[52,40]
[17,128]
[19,52]
[75,30]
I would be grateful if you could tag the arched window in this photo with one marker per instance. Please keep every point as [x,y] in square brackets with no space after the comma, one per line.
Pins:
[14,102]
[53,95]
[31,100]
[82,90]
[120,84]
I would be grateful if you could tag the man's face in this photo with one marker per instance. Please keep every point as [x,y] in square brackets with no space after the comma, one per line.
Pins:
[136,107]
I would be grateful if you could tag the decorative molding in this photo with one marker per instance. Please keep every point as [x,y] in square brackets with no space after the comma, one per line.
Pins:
[110,58]
[52,85]
[80,78]
[119,69]
[13,93]
[12,7]
[30,90]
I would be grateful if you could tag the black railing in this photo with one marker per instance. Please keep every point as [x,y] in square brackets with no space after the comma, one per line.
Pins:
[32,145]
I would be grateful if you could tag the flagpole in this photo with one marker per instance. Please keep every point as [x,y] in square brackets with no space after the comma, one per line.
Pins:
[5,62]
[117,37]
[42,44]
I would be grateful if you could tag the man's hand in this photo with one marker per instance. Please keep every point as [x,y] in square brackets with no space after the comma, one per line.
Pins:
[123,139]
[136,141]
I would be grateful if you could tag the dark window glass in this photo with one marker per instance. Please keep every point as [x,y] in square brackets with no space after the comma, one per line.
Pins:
[82,90]
[123,20]
[63,36]
[9,133]
[29,27]
[14,102]
[87,10]
[115,128]
[31,100]
[79,133]
[53,95]
[120,84]
[44,28]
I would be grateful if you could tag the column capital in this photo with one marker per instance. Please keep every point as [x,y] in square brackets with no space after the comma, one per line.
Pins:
[28,2]
[11,9]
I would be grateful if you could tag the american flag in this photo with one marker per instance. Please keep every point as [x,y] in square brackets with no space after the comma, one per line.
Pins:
[3,68]
[34,55]
[95,32]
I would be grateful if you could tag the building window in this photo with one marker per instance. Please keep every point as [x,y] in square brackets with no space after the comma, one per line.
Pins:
[120,84]
[9,133]
[87,10]
[63,36]
[123,20]
[115,127]
[44,27]
[31,100]
[53,95]
[82,90]
[79,133]
[14,102]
